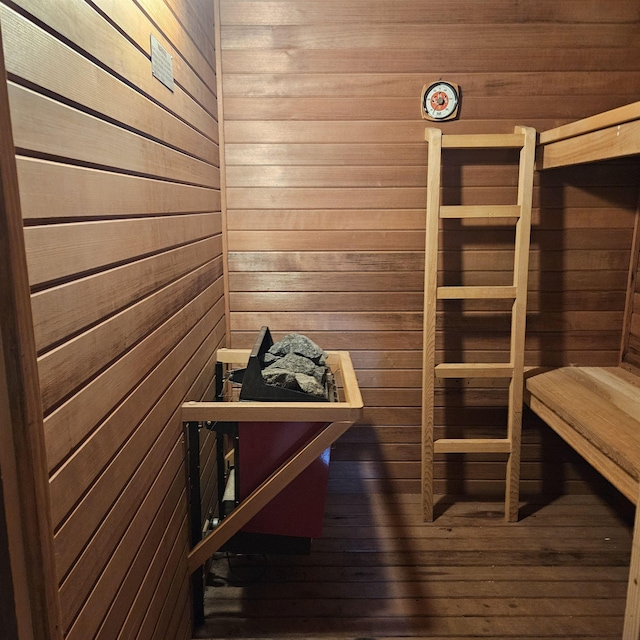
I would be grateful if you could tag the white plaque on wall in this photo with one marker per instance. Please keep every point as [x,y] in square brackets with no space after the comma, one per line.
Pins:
[161,63]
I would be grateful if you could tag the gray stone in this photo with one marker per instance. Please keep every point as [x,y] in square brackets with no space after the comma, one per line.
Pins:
[299,364]
[300,345]
[310,385]
[280,378]
[294,381]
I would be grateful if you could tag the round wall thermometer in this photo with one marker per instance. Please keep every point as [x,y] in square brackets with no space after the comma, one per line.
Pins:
[440,101]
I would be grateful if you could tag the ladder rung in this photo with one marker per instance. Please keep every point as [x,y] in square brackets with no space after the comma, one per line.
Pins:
[483,141]
[474,370]
[476,293]
[472,445]
[481,211]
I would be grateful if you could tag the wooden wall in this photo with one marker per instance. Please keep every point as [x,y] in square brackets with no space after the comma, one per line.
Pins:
[120,189]
[326,192]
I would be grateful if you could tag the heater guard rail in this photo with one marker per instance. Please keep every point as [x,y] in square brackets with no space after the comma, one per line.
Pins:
[339,416]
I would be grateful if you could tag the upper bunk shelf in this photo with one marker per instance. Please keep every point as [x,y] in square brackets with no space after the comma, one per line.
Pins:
[611,134]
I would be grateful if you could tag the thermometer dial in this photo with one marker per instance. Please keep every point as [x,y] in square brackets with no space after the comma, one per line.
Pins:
[440,101]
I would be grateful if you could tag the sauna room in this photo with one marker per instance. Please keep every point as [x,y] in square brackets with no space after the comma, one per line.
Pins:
[440,199]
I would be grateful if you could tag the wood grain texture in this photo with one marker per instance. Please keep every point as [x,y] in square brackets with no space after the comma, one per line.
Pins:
[58,251]
[326,190]
[54,190]
[31,604]
[84,138]
[86,84]
[87,29]
[120,181]
[369,575]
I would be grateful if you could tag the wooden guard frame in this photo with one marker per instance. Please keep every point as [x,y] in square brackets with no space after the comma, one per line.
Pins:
[339,416]
[525,139]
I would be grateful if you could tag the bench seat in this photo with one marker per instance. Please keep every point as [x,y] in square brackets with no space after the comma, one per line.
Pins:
[597,411]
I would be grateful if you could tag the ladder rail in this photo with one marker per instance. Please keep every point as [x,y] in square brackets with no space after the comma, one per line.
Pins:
[434,137]
[518,321]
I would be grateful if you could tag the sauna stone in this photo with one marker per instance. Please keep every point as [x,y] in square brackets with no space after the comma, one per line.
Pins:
[296,362]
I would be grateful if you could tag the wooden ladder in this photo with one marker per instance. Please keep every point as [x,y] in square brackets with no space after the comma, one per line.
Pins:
[523,138]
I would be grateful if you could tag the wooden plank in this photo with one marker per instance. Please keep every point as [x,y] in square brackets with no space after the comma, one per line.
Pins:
[31,593]
[471,445]
[483,141]
[472,568]
[67,367]
[472,293]
[408,261]
[427,419]
[467,239]
[518,109]
[56,316]
[486,211]
[599,121]
[411,36]
[407,197]
[85,542]
[412,301]
[68,425]
[405,84]
[192,71]
[85,138]
[613,142]
[198,19]
[593,418]
[422,59]
[318,131]
[518,320]
[473,370]
[408,11]
[276,282]
[409,321]
[92,87]
[89,31]
[223,163]
[56,251]
[403,219]
[154,510]
[81,470]
[56,190]
[175,585]
[148,563]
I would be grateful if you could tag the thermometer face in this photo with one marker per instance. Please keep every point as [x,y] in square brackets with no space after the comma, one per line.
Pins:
[440,101]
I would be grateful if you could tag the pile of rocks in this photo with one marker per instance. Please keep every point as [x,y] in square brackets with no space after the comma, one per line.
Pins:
[297,363]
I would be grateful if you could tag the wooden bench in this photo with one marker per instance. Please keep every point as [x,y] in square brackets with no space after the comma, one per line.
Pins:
[596,410]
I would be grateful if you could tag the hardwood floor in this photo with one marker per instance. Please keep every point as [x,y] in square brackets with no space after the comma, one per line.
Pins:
[378,572]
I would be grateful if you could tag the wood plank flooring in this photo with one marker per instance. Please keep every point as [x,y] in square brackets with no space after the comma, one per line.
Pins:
[378,572]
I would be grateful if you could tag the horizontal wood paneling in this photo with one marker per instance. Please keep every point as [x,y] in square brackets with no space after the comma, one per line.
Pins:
[577,58]
[84,138]
[107,292]
[90,32]
[252,12]
[120,184]
[61,191]
[324,35]
[87,84]
[61,250]
[326,171]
